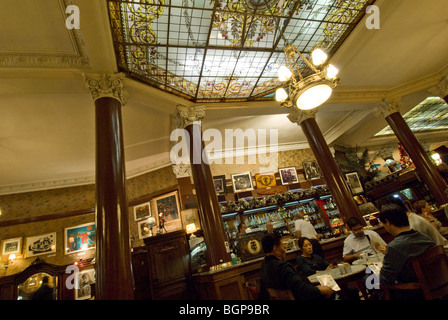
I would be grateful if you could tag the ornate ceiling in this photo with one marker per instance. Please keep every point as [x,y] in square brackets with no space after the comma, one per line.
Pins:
[223,50]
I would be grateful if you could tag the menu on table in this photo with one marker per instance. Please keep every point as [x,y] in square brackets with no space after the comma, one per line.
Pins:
[328,280]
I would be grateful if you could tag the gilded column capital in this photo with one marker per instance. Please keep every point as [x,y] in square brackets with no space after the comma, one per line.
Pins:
[106,85]
[186,115]
[182,170]
[298,116]
[440,89]
[388,107]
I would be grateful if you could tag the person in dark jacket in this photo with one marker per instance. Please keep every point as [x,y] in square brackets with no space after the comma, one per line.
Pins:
[277,273]
[44,292]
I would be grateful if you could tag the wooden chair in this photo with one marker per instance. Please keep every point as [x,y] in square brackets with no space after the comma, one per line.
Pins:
[431,269]
[277,294]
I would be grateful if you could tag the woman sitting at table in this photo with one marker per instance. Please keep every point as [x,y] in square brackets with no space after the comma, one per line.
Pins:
[309,263]
[423,209]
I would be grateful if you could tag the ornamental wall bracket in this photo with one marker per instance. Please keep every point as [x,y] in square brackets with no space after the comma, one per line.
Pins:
[182,170]
[186,115]
[388,107]
[440,89]
[106,85]
[298,116]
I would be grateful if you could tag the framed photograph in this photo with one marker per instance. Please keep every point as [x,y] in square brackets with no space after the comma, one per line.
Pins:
[84,279]
[168,212]
[11,246]
[39,245]
[242,182]
[288,175]
[144,229]
[311,170]
[354,182]
[142,211]
[191,216]
[264,180]
[220,185]
[80,238]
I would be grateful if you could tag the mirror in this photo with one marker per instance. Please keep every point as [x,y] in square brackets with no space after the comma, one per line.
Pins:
[40,286]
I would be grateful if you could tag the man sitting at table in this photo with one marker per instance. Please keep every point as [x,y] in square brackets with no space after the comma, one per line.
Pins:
[406,245]
[277,273]
[361,241]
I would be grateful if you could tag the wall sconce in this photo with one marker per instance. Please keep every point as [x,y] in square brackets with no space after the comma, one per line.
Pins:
[10,262]
[436,158]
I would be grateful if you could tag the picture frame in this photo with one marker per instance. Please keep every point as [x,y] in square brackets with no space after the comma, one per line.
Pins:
[265,180]
[191,216]
[354,182]
[168,212]
[12,246]
[220,185]
[242,182]
[84,279]
[40,245]
[288,175]
[79,238]
[311,170]
[144,229]
[142,211]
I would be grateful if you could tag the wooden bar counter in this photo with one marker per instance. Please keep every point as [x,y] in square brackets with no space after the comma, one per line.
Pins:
[231,283]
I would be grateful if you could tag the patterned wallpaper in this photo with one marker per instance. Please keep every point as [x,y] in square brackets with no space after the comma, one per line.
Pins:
[41,203]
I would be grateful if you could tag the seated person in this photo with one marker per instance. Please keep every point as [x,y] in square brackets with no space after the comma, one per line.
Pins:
[418,223]
[305,229]
[423,209]
[277,273]
[310,263]
[361,241]
[407,244]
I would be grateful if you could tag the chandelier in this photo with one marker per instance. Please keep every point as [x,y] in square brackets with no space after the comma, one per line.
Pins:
[306,92]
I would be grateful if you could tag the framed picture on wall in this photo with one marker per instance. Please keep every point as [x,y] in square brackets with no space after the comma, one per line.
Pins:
[144,229]
[12,246]
[288,175]
[242,182]
[168,212]
[354,182]
[311,170]
[80,238]
[142,211]
[220,184]
[41,244]
[191,216]
[264,180]
[84,279]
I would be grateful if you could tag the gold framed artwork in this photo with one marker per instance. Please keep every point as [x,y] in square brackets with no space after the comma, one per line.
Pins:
[190,216]
[311,170]
[168,212]
[142,211]
[80,238]
[264,180]
[220,184]
[288,175]
[84,279]
[354,183]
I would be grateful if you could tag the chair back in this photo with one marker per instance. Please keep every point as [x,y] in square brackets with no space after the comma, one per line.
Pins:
[431,269]
[253,289]
[278,294]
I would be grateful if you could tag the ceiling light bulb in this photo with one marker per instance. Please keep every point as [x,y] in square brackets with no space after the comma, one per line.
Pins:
[314,97]
[332,71]
[284,73]
[318,57]
[280,95]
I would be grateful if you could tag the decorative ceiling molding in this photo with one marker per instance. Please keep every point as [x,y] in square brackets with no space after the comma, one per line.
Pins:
[78,60]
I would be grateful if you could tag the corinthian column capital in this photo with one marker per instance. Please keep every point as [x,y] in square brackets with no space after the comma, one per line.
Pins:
[182,170]
[106,85]
[440,89]
[186,115]
[298,116]
[388,107]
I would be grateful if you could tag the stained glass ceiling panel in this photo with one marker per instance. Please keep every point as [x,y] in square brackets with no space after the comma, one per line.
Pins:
[223,50]
[429,115]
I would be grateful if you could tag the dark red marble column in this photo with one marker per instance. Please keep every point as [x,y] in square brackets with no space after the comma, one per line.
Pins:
[208,207]
[114,280]
[427,171]
[330,170]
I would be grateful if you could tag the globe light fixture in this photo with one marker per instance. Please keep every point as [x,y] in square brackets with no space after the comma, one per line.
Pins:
[306,92]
